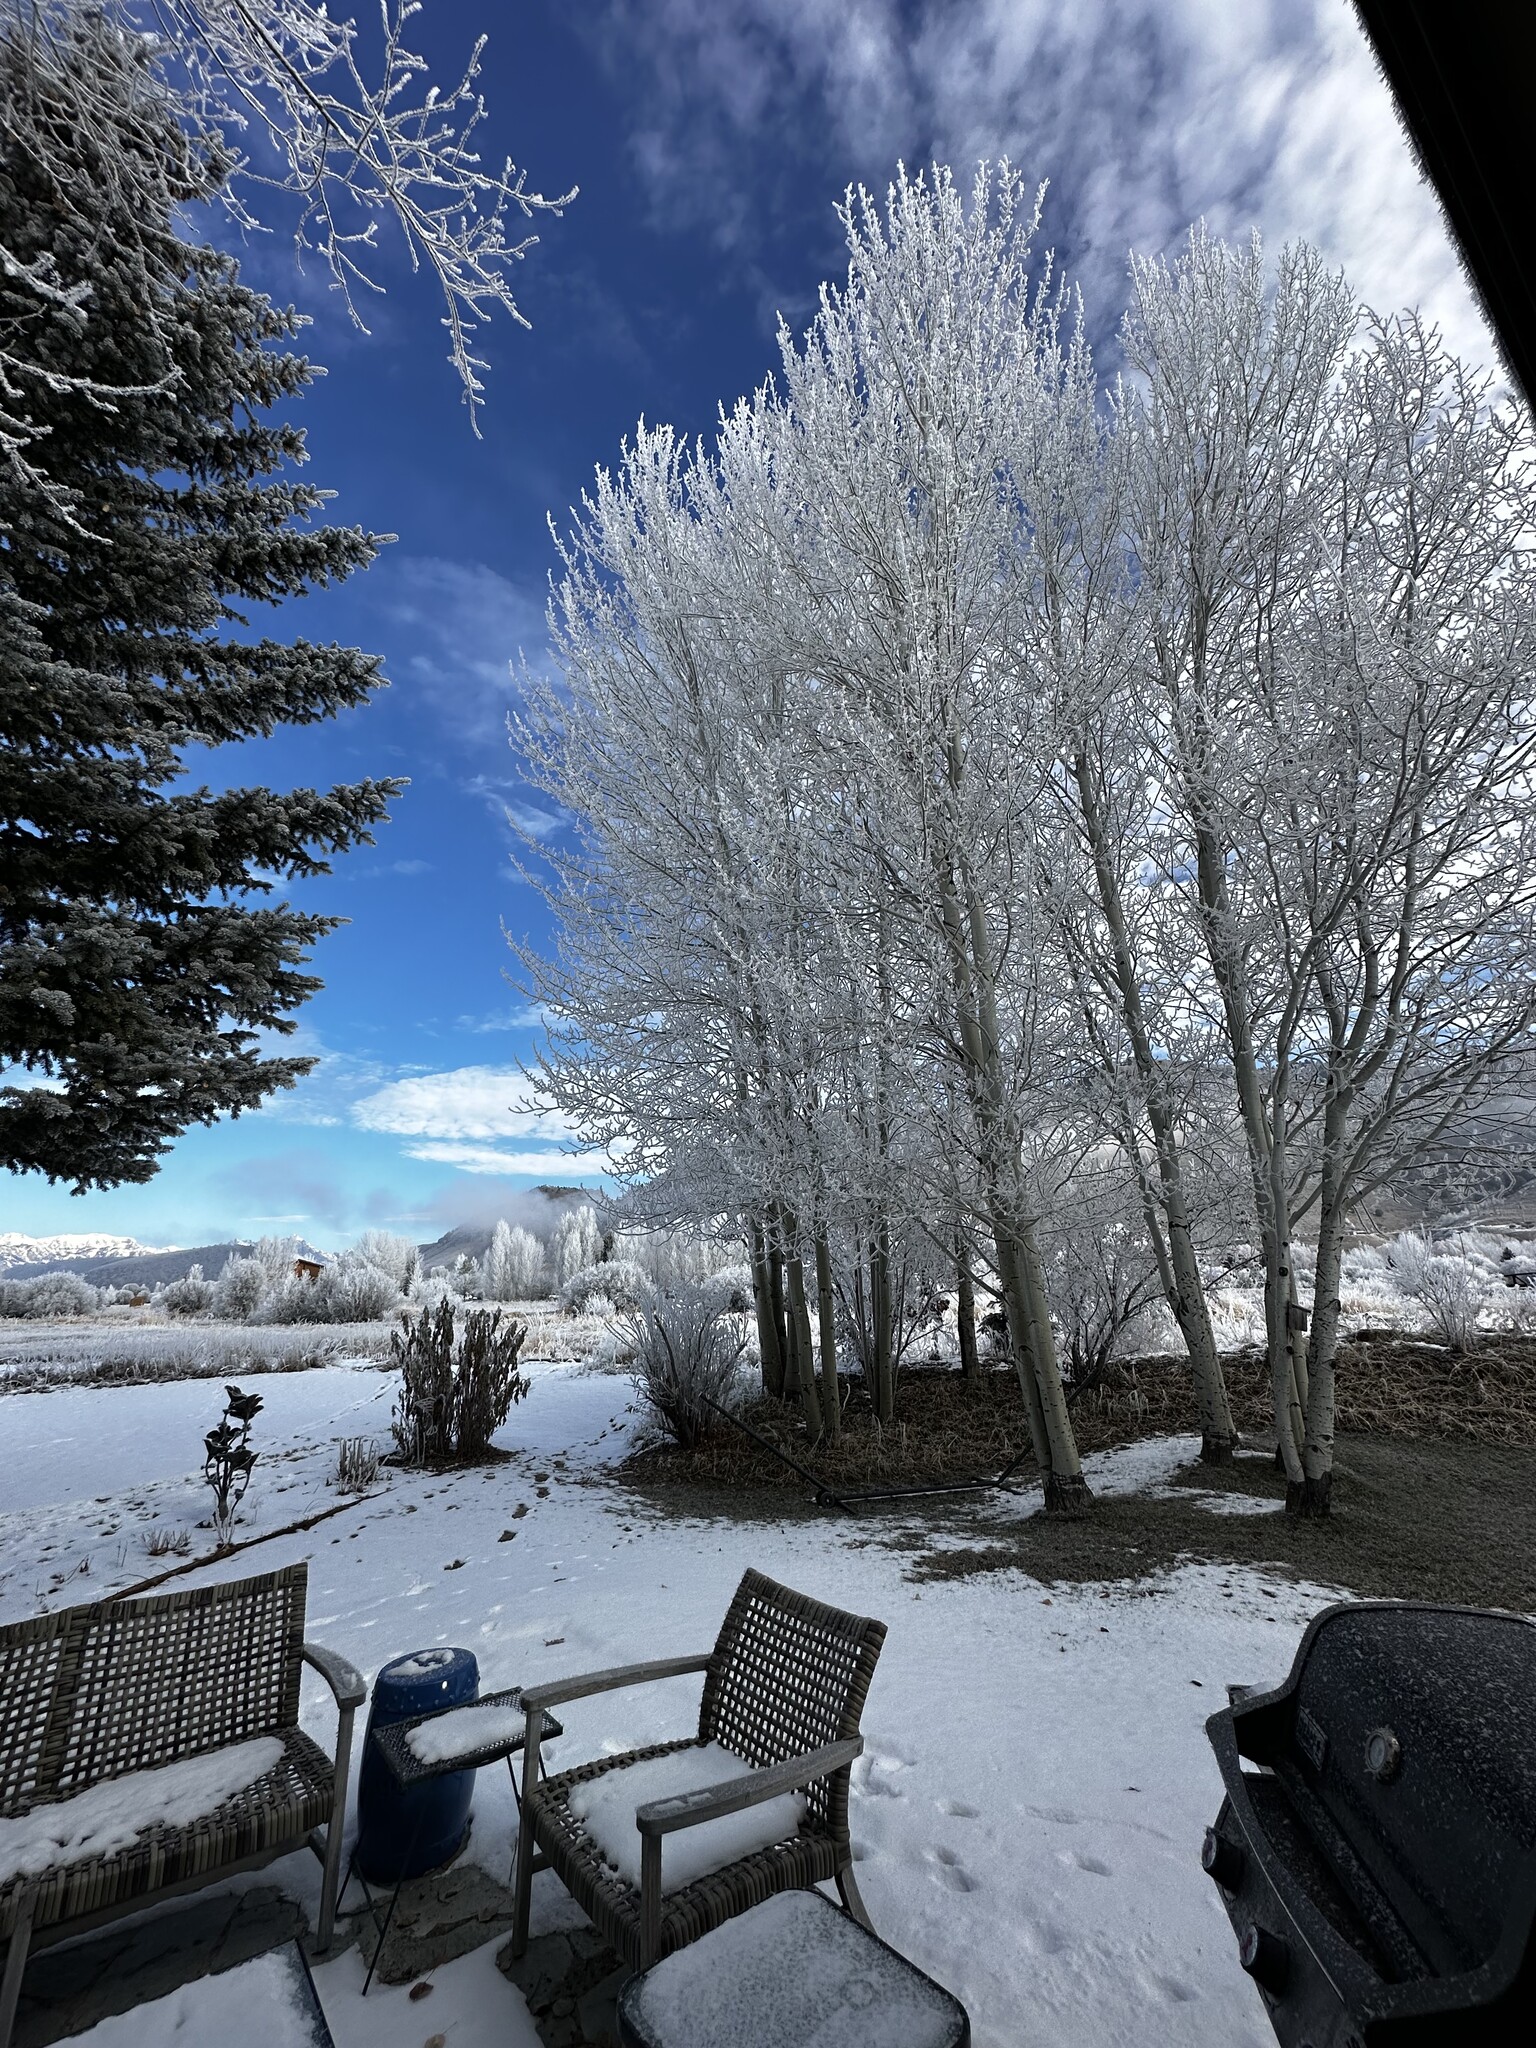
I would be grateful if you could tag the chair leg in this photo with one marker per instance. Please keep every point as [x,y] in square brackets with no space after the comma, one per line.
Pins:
[335,1830]
[522,1893]
[16,1964]
[853,1904]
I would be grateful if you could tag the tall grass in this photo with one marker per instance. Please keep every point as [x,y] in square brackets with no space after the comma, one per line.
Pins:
[97,1355]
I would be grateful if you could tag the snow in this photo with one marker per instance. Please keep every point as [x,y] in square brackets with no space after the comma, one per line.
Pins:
[422,1664]
[732,1989]
[107,1818]
[1028,1815]
[259,2004]
[464,1731]
[18,1251]
[606,1806]
[86,1473]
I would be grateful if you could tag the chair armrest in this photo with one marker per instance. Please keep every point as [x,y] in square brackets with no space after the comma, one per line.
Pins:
[347,1683]
[561,1689]
[733,1795]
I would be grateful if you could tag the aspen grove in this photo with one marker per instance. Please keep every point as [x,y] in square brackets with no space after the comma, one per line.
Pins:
[1032,835]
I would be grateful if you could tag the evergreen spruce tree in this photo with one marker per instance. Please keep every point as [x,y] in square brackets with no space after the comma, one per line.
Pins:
[138,970]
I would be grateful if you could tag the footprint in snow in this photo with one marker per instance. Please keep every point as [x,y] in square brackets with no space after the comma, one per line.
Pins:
[876,1788]
[1078,1861]
[1043,1938]
[951,1872]
[1176,1992]
[958,1810]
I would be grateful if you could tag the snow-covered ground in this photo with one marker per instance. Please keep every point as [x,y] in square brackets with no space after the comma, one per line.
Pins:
[1029,1811]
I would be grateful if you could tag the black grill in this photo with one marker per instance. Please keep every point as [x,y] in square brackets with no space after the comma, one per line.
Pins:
[1379,1863]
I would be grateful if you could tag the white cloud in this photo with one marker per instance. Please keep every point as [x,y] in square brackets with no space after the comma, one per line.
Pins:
[468,626]
[547,1166]
[1145,114]
[466,1102]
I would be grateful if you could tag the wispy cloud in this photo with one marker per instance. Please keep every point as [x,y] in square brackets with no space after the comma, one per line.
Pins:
[386,868]
[301,1184]
[505,797]
[464,629]
[326,1094]
[528,1017]
[1145,114]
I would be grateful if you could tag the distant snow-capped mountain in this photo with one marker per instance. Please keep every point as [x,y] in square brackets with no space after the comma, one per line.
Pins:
[18,1250]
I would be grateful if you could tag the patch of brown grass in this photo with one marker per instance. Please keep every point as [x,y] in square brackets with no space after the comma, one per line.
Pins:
[945,1429]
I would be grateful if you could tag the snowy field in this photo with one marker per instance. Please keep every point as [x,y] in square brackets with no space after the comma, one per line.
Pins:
[1029,1811]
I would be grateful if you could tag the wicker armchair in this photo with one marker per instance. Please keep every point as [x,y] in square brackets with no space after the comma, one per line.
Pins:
[94,1693]
[784,1688]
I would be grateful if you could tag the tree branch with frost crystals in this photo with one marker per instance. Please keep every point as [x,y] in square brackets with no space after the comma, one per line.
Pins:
[344,138]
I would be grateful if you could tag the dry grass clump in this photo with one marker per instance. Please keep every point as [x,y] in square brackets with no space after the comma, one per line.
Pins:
[357,1464]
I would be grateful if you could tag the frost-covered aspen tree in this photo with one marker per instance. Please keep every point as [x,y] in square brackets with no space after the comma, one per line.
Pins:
[1231,431]
[1076,646]
[1400,835]
[900,410]
[671,740]
[513,1266]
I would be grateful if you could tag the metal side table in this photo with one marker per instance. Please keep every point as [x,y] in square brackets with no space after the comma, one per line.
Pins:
[486,1731]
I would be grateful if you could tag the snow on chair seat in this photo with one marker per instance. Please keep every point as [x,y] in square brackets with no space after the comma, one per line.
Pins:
[152,1746]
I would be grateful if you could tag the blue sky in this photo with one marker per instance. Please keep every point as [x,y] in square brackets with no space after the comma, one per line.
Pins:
[710,139]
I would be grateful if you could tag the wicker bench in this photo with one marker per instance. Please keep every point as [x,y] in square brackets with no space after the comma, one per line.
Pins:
[92,1694]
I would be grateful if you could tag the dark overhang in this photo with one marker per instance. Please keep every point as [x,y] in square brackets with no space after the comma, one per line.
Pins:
[1463,73]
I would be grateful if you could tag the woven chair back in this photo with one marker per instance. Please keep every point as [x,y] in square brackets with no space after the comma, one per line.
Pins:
[789,1675]
[124,1685]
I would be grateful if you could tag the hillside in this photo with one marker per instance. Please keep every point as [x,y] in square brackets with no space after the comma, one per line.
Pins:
[143,1265]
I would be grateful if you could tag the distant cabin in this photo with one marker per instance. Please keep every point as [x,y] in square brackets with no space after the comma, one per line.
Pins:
[308,1269]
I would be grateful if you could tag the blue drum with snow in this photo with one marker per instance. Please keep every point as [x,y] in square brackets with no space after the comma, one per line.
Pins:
[407,1831]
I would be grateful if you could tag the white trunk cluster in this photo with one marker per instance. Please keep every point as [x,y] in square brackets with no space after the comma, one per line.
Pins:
[1033,832]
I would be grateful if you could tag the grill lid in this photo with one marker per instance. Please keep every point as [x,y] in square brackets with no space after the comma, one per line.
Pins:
[1387,1840]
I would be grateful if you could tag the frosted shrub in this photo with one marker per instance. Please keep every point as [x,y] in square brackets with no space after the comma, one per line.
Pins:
[349,1290]
[192,1296]
[240,1288]
[430,1290]
[276,1255]
[513,1266]
[51,1294]
[454,1394]
[617,1281]
[686,1257]
[353,1290]
[685,1356]
[1449,1282]
[578,1243]
[730,1289]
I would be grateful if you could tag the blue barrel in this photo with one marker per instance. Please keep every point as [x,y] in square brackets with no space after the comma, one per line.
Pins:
[405,1832]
